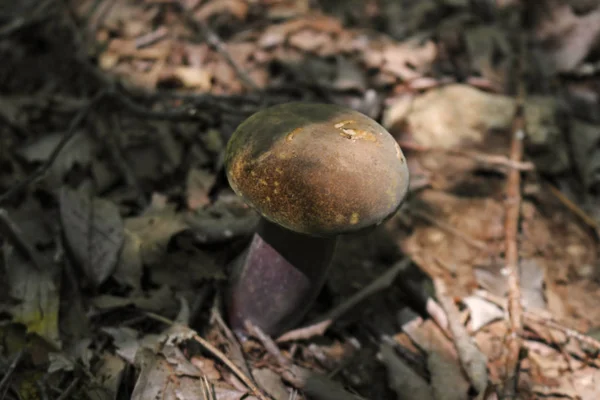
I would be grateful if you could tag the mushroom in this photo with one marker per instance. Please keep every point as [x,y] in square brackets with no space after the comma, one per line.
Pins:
[313,172]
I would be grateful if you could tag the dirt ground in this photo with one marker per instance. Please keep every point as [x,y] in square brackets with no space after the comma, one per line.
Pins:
[117,222]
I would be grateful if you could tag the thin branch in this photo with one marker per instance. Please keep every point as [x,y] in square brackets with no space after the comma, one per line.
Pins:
[320,325]
[71,132]
[9,372]
[217,44]
[217,353]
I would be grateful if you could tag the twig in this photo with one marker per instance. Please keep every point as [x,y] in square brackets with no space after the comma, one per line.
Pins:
[69,390]
[320,325]
[9,372]
[511,227]
[38,14]
[511,224]
[112,141]
[71,132]
[236,349]
[574,207]
[217,353]
[471,359]
[315,385]
[183,113]
[542,318]
[486,159]
[217,44]
[11,230]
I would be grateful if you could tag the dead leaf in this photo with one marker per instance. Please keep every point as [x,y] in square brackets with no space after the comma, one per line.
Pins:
[169,375]
[94,232]
[129,268]
[153,231]
[482,312]
[567,38]
[59,362]
[188,77]
[207,366]
[410,59]
[309,40]
[402,379]
[198,184]
[585,138]
[157,300]
[38,296]
[236,8]
[35,287]
[349,76]
[271,383]
[109,375]
[78,151]
[442,382]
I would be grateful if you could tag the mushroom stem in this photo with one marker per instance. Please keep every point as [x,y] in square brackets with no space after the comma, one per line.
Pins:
[277,278]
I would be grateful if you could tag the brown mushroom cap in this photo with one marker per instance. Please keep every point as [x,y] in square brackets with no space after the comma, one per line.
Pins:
[317,169]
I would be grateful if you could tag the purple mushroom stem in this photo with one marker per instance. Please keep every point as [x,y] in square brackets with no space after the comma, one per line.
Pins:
[277,278]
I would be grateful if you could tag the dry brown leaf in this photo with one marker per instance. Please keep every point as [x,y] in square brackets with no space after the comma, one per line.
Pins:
[198,184]
[271,383]
[568,38]
[277,34]
[188,77]
[309,40]
[129,48]
[207,366]
[236,8]
[409,60]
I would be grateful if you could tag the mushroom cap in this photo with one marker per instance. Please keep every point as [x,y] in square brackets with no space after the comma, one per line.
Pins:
[317,169]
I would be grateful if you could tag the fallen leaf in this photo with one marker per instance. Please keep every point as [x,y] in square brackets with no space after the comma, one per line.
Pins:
[129,267]
[410,59]
[207,366]
[153,231]
[457,115]
[198,184]
[94,232]
[109,375]
[482,312]
[401,378]
[157,300]
[271,383]
[78,151]
[237,8]
[188,77]
[567,38]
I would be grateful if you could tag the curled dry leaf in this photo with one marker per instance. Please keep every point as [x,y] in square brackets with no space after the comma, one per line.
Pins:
[94,232]
[237,8]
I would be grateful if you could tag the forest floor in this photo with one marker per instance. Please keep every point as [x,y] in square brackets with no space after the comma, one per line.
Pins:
[117,222]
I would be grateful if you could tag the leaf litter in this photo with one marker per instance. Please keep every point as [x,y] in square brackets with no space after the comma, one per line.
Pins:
[133,225]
